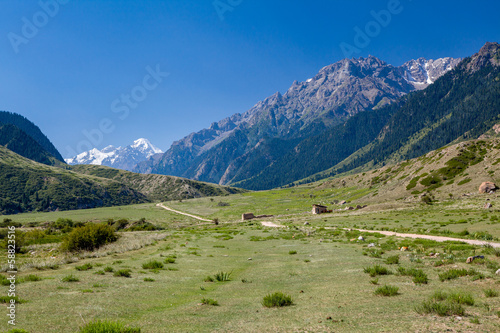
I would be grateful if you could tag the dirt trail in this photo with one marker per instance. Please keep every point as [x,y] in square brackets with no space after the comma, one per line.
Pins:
[179,212]
[435,238]
[391,233]
[272,225]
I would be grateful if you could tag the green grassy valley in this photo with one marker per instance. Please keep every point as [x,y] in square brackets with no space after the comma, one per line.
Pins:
[182,274]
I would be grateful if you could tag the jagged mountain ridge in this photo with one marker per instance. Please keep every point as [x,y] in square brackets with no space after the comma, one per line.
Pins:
[125,158]
[218,154]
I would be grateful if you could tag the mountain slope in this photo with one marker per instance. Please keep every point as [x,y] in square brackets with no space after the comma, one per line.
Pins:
[21,143]
[125,158]
[463,104]
[339,91]
[26,185]
[158,187]
[31,130]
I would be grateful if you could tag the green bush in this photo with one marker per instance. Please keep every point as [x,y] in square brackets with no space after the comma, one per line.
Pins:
[461,298]
[222,276]
[387,291]
[419,277]
[32,278]
[152,264]
[209,301]
[85,267]
[107,327]
[123,273]
[70,278]
[89,237]
[277,299]
[490,293]
[439,308]
[392,260]
[108,269]
[169,260]
[292,252]
[377,270]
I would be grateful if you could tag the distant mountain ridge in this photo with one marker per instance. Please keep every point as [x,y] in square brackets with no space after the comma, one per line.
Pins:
[239,146]
[125,158]
[34,133]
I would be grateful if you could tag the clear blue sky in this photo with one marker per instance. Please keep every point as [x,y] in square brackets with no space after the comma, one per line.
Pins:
[85,55]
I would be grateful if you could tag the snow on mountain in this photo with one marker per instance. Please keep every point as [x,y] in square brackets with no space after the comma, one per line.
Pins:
[422,72]
[125,158]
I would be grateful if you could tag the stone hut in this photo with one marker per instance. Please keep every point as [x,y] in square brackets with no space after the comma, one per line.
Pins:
[318,209]
[247,216]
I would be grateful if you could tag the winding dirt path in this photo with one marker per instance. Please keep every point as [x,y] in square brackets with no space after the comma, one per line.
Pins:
[391,233]
[182,213]
[435,238]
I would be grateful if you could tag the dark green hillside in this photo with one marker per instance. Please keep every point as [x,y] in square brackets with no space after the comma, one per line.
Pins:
[30,186]
[19,142]
[158,187]
[31,130]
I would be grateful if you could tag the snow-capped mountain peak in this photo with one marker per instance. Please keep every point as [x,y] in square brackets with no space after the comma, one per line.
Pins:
[125,158]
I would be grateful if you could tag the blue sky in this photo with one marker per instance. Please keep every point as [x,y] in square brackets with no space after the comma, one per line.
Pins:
[73,70]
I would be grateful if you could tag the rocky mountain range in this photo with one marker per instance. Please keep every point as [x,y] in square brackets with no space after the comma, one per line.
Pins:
[125,158]
[232,149]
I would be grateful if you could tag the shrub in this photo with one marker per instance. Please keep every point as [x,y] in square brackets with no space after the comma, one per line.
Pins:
[169,260]
[123,273]
[88,237]
[387,291]
[392,260]
[107,327]
[32,278]
[277,299]
[6,299]
[222,276]
[490,293]
[85,267]
[292,252]
[152,264]
[377,270]
[439,308]
[70,278]
[453,274]
[209,301]
[108,269]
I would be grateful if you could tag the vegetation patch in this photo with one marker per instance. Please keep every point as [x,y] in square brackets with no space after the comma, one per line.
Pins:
[89,237]
[277,299]
[386,290]
[107,327]
[209,301]
[377,270]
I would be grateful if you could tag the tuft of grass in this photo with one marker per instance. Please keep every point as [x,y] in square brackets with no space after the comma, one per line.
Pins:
[123,273]
[377,270]
[85,267]
[475,320]
[209,279]
[107,327]
[222,276]
[387,290]
[392,260]
[439,308]
[277,299]
[461,298]
[6,299]
[490,293]
[86,291]
[453,274]
[152,264]
[374,281]
[70,278]
[31,278]
[169,260]
[419,277]
[209,301]
[292,252]
[109,269]
[146,279]
[99,272]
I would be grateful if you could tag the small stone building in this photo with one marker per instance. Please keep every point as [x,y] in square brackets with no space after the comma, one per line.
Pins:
[247,216]
[318,209]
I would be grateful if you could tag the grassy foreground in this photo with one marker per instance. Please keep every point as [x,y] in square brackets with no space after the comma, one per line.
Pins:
[336,282]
